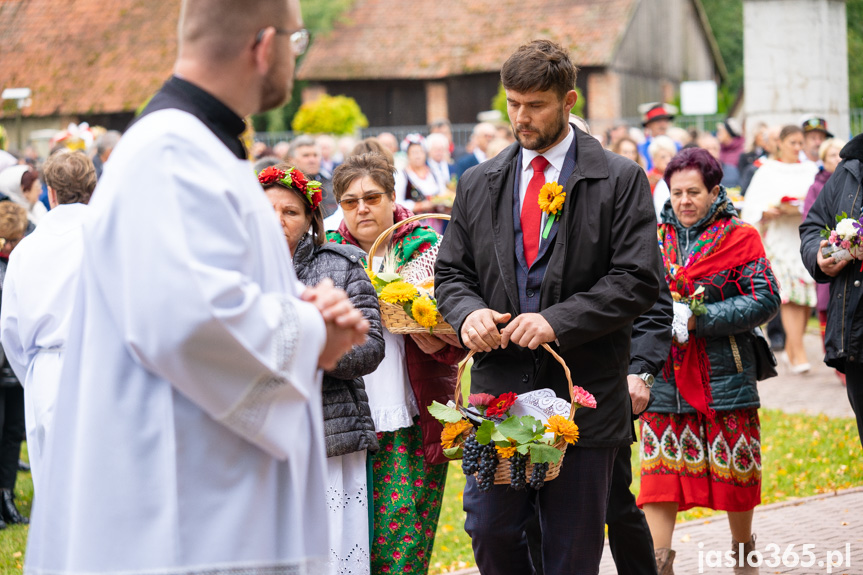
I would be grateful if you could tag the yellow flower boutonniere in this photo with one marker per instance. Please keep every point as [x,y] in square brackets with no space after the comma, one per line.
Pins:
[551,198]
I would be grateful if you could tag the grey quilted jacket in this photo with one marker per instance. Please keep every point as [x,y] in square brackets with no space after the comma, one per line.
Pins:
[727,326]
[348,424]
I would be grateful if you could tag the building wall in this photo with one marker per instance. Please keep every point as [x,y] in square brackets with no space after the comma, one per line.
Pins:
[664,45]
[385,102]
[785,80]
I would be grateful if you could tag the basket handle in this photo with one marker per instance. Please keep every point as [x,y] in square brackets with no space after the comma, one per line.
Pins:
[394,227]
[463,365]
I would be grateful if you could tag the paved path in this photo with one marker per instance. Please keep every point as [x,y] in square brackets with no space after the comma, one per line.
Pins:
[831,525]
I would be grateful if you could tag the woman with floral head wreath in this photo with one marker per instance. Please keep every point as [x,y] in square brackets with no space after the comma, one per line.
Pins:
[409,472]
[701,438]
[348,426]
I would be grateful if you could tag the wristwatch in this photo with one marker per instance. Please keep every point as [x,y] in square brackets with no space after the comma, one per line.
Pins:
[647,378]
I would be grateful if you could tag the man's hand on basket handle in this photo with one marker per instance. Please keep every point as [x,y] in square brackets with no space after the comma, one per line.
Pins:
[479,331]
[529,330]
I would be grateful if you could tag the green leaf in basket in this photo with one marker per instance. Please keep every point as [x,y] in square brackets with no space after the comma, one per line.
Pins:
[408,306]
[542,453]
[523,448]
[522,429]
[443,413]
[453,452]
[499,438]
[484,432]
[388,277]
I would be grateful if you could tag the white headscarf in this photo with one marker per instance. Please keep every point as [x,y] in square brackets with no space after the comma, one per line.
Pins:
[10,186]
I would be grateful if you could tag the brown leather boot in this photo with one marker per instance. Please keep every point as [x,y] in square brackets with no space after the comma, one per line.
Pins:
[748,547]
[665,561]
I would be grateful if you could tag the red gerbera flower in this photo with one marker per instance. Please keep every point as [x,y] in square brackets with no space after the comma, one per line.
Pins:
[270,175]
[501,405]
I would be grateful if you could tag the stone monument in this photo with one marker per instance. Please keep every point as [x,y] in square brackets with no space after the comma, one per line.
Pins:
[796,62]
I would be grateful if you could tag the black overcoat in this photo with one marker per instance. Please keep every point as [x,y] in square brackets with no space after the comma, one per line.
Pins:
[602,274]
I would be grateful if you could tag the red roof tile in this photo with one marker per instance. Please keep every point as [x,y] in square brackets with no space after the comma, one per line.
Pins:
[440,38]
[87,56]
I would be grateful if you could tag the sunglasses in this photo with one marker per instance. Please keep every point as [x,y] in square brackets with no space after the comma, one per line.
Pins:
[369,200]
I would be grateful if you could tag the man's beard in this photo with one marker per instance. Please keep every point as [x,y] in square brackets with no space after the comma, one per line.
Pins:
[273,93]
[543,139]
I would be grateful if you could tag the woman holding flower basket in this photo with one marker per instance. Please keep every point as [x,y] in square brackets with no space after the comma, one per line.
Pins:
[409,471]
[700,439]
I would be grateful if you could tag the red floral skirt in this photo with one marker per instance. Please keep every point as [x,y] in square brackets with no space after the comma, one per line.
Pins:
[713,464]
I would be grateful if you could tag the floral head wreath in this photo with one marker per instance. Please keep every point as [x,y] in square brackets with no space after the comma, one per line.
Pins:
[293,178]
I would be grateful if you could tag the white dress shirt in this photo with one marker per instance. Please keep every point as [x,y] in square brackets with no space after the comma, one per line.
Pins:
[555,157]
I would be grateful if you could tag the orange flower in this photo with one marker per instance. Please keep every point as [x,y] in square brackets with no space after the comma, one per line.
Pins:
[505,452]
[562,427]
[452,431]
[551,197]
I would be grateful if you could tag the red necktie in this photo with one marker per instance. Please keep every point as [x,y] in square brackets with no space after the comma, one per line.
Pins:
[531,215]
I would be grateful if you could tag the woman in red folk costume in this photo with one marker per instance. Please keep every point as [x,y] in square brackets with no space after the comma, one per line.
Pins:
[700,440]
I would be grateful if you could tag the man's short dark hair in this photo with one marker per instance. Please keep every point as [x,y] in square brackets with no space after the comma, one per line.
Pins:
[539,66]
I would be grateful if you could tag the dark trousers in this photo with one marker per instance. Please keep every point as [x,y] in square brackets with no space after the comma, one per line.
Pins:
[854,386]
[12,432]
[628,533]
[571,516]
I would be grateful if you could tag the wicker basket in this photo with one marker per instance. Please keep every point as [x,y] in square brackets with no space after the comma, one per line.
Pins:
[502,473]
[394,317]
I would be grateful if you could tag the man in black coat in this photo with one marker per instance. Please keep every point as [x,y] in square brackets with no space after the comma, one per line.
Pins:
[576,281]
[843,339]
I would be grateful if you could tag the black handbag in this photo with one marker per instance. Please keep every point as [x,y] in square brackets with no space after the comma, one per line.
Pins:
[765,361]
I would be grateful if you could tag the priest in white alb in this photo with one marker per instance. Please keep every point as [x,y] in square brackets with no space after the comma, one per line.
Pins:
[39,292]
[188,433]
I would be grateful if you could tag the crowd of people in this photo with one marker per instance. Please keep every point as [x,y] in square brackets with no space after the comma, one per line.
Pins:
[198,362]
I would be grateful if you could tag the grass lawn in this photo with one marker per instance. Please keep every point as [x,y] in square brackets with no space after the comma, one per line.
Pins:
[802,455]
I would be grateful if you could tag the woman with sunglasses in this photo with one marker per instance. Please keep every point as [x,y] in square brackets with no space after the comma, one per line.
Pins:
[409,471]
[348,427]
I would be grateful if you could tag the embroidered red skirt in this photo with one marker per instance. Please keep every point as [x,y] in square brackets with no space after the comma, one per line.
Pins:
[713,464]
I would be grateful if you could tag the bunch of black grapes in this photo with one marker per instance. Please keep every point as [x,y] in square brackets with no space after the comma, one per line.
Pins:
[486,467]
[518,471]
[470,455]
[537,478]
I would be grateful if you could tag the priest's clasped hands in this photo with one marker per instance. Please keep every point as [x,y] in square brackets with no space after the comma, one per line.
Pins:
[479,332]
[346,326]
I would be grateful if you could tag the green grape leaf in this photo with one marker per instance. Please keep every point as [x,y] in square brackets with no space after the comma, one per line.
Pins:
[388,277]
[453,452]
[521,429]
[484,432]
[542,453]
[443,413]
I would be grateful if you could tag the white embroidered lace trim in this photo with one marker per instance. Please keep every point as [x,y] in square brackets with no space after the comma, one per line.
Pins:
[250,413]
[356,562]
[307,566]
[394,418]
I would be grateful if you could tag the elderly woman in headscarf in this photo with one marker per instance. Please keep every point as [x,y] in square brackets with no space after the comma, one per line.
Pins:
[21,185]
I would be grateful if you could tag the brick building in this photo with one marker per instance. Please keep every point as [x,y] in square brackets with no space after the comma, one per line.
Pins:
[411,63]
[84,60]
